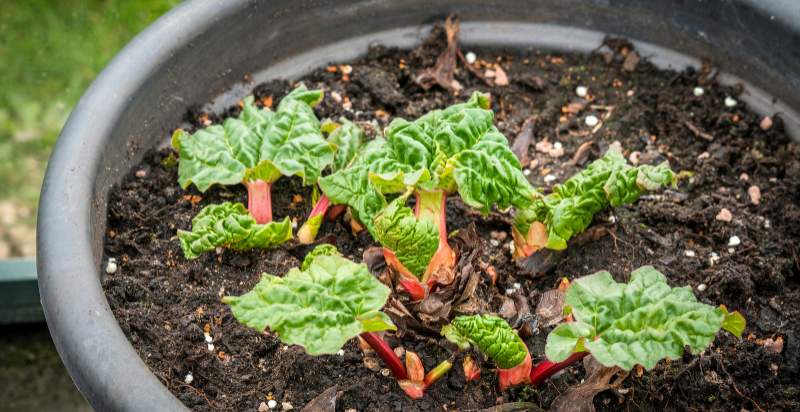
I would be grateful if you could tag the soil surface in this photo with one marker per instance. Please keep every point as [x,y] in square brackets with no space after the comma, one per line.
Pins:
[164,302]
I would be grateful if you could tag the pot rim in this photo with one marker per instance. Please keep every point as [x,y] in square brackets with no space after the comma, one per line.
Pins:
[82,325]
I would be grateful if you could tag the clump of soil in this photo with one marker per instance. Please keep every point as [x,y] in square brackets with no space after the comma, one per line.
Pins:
[165,303]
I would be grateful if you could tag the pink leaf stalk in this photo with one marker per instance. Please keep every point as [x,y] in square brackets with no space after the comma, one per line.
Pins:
[259,201]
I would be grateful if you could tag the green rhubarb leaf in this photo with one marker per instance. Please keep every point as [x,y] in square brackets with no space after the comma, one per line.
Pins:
[350,186]
[229,225]
[455,149]
[641,322]
[492,335]
[606,182]
[414,241]
[259,144]
[324,249]
[347,139]
[320,308]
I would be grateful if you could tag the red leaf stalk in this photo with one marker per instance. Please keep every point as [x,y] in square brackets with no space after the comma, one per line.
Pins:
[259,201]
[386,354]
[545,369]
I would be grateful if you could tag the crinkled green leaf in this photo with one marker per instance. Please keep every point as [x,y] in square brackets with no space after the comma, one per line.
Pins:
[455,149]
[347,140]
[325,249]
[641,322]
[492,335]
[259,144]
[414,241]
[229,225]
[320,308]
[608,181]
[350,185]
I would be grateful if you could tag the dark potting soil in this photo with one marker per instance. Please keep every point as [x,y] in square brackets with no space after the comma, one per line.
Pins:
[164,303]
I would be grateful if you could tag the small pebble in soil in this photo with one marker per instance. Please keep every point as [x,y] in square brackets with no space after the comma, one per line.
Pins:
[111,266]
[766,123]
[744,177]
[141,173]
[724,215]
[730,102]
[713,258]
[510,291]
[701,287]
[385,372]
[516,285]
[286,406]
[592,120]
[208,338]
[698,91]
[731,250]
[767,224]
[689,253]
[211,347]
[734,241]
[272,403]
[612,219]
[581,91]
[634,157]
[262,407]
[755,194]
[340,352]
[549,179]
[471,57]
[704,155]
[495,242]
[188,379]
[511,247]
[526,172]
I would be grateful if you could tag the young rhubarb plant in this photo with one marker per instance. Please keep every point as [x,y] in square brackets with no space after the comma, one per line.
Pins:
[229,225]
[321,308]
[498,341]
[625,324]
[455,150]
[418,380]
[550,221]
[256,149]
[347,139]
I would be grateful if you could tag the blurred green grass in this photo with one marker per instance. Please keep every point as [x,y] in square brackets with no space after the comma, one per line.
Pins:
[50,51]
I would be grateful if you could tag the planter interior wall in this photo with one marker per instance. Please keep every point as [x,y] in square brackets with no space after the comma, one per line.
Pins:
[201,51]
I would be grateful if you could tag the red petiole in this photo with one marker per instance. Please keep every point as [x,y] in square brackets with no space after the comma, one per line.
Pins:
[259,201]
[386,354]
[545,369]
[308,232]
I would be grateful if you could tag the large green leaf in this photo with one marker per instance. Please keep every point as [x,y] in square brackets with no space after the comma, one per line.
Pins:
[414,241]
[259,144]
[641,322]
[320,308]
[455,149]
[325,249]
[230,225]
[608,181]
[492,335]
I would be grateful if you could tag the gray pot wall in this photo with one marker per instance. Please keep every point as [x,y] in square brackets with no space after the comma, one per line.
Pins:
[201,50]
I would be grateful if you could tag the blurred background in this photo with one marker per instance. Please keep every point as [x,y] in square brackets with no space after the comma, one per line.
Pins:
[50,51]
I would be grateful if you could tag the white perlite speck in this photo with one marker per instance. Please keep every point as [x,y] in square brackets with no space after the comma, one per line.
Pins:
[188,379]
[730,102]
[581,91]
[111,266]
[286,406]
[526,172]
[734,241]
[713,258]
[592,120]
[341,352]
[689,253]
[471,57]
[211,347]
[494,242]
[272,403]
[701,287]
[549,179]
[698,91]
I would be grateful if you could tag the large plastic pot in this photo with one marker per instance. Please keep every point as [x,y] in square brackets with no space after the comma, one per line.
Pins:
[201,50]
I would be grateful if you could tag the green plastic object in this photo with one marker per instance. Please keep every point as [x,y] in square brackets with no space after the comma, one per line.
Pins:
[19,292]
